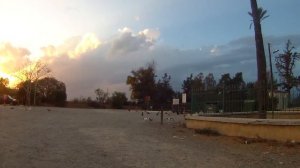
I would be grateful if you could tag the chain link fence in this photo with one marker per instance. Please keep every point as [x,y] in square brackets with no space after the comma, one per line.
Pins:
[234,99]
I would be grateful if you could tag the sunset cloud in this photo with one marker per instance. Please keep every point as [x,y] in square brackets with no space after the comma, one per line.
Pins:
[73,48]
[82,62]
[94,70]
[88,43]
[11,57]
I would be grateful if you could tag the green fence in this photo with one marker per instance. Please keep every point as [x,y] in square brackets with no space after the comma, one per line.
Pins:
[229,99]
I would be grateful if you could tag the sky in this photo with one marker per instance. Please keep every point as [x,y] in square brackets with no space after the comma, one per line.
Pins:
[90,44]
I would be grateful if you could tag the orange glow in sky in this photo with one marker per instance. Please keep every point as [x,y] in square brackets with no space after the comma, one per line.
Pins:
[12,80]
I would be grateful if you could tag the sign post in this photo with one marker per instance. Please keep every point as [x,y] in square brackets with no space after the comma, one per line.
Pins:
[184,101]
[176,103]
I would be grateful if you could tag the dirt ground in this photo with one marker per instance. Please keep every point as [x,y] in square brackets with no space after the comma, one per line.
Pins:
[92,138]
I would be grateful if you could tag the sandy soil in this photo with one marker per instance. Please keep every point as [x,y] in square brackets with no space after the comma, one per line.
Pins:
[90,138]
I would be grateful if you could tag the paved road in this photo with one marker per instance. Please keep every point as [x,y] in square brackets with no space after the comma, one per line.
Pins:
[90,138]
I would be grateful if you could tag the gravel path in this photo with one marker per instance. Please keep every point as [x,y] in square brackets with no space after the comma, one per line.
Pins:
[90,138]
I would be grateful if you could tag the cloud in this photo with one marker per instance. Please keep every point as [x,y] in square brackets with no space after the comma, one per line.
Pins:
[248,61]
[151,35]
[11,57]
[222,66]
[127,41]
[236,56]
[215,51]
[125,30]
[74,47]
[131,50]
[84,64]
[87,43]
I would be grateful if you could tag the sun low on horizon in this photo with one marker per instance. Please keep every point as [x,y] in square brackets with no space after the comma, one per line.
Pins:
[35,30]
[12,80]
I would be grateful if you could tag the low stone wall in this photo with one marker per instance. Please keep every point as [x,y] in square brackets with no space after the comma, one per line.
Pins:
[271,129]
[276,114]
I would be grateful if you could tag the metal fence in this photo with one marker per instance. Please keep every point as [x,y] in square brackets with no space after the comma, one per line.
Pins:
[235,99]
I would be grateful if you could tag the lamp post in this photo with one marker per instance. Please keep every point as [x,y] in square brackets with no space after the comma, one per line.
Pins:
[272,90]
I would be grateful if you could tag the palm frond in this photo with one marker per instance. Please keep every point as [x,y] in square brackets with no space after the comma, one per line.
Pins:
[264,17]
[250,14]
[261,13]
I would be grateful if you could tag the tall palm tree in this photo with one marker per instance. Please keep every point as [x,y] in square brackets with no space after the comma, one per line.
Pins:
[258,14]
[261,13]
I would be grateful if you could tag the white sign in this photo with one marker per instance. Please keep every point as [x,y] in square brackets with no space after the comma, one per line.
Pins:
[175,101]
[183,97]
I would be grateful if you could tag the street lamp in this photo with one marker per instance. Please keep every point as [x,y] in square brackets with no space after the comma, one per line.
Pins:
[272,91]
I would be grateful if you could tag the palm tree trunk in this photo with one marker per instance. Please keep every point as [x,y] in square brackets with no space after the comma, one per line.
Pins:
[261,62]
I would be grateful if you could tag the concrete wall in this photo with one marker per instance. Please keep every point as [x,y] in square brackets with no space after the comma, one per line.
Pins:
[277,115]
[279,129]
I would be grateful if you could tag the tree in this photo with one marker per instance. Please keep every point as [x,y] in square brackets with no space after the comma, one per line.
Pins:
[187,87]
[225,81]
[261,13]
[285,64]
[22,88]
[142,82]
[118,100]
[4,82]
[101,96]
[210,82]
[198,82]
[164,92]
[238,81]
[3,85]
[51,91]
[257,15]
[251,90]
[29,74]
[40,70]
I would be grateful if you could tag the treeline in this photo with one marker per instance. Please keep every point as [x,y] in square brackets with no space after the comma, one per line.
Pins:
[149,92]
[45,91]
[201,82]
[153,93]
[117,100]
